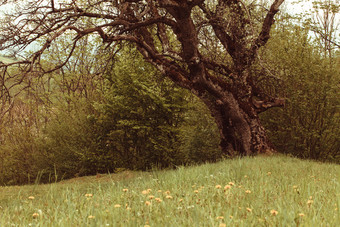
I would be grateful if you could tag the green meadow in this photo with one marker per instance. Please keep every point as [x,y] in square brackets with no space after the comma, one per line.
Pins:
[253,191]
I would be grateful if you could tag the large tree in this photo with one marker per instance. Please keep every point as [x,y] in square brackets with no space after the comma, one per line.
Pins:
[208,47]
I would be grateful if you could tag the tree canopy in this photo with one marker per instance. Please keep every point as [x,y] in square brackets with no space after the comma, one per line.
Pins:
[207,47]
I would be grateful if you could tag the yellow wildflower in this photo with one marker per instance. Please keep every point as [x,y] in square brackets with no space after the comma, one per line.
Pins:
[158,200]
[227,187]
[168,197]
[301,214]
[151,197]
[231,183]
[248,191]
[218,186]
[31,197]
[310,202]
[88,195]
[125,190]
[222,225]
[147,203]
[220,218]
[274,212]
[145,192]
[249,210]
[196,191]
[91,217]
[117,205]
[35,215]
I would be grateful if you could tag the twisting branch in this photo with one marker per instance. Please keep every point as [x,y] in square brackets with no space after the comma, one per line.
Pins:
[266,27]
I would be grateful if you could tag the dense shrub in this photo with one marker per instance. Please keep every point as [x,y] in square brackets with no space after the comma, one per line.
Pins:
[140,121]
[309,125]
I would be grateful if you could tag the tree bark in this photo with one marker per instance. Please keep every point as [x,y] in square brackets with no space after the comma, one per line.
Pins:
[241,132]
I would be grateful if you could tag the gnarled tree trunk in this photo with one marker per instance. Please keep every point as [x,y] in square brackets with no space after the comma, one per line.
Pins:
[241,131]
[237,119]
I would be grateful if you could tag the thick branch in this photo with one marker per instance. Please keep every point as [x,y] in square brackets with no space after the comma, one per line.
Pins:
[266,27]
[262,106]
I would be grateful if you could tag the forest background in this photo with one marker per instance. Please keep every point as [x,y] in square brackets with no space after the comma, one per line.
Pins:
[80,121]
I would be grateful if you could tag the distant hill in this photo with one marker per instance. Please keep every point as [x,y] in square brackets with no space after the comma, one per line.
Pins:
[7,60]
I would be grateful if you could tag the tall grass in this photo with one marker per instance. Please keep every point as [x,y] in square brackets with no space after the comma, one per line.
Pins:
[260,191]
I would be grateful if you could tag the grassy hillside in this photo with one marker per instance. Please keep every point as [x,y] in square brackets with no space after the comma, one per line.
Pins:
[6,60]
[260,191]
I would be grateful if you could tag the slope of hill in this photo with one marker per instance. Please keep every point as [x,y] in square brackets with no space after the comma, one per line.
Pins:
[6,60]
[260,191]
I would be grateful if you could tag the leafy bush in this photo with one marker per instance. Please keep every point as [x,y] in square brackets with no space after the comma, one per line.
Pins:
[309,125]
[199,135]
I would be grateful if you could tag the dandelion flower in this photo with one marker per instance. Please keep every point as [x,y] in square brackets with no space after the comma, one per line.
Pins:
[274,212]
[227,187]
[301,214]
[31,197]
[117,205]
[249,210]
[248,191]
[310,202]
[125,190]
[148,203]
[91,217]
[220,218]
[35,215]
[218,186]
